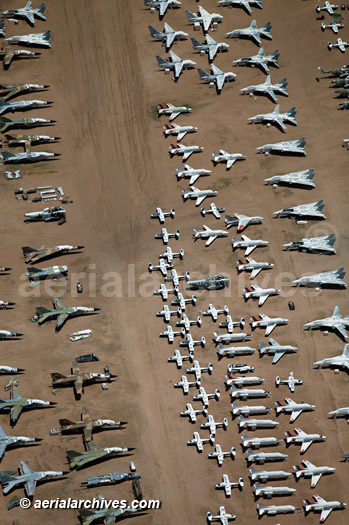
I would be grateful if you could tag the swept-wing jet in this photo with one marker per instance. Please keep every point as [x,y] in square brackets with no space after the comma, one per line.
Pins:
[34,39]
[339,361]
[332,278]
[261,294]
[253,266]
[335,26]
[191,413]
[223,517]
[168,35]
[249,244]
[241,221]
[244,4]
[109,515]
[302,438]
[268,89]
[87,425]
[208,234]
[17,403]
[113,478]
[162,267]
[304,178]
[219,455]
[309,470]
[7,55]
[27,141]
[162,5]
[189,172]
[27,156]
[217,77]
[5,334]
[340,44]
[7,123]
[165,235]
[159,214]
[319,245]
[261,457]
[227,485]
[292,407]
[229,158]
[29,478]
[22,105]
[213,282]
[265,475]
[8,91]
[13,441]
[184,384]
[288,147]
[311,210]
[270,491]
[335,322]
[211,47]
[323,506]
[180,131]
[340,412]
[92,454]
[35,254]
[327,7]
[232,351]
[214,312]
[276,350]
[272,510]
[291,382]
[61,312]
[172,111]
[79,379]
[269,323]
[252,32]
[204,18]
[260,60]
[199,195]
[186,151]
[276,117]
[37,275]
[27,12]
[176,64]
[199,442]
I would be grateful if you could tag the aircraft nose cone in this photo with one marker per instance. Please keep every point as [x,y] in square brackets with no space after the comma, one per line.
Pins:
[123,423]
[112,375]
[7,269]
[52,403]
[56,154]
[56,138]
[130,449]
[96,309]
[37,439]
[19,335]
[53,121]
[46,86]
[64,472]
[20,369]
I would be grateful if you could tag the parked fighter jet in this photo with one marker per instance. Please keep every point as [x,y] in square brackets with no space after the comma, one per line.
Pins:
[258,442]
[28,478]
[245,393]
[107,514]
[199,442]
[241,221]
[7,55]
[291,382]
[311,211]
[199,195]
[27,12]
[310,470]
[8,91]
[180,131]
[341,82]
[214,210]
[186,151]
[219,455]
[61,312]
[269,323]
[213,282]
[7,123]
[289,147]
[176,64]
[166,313]
[5,334]
[323,506]
[233,351]
[172,111]
[227,485]
[252,32]
[223,517]
[265,475]
[268,89]
[79,379]
[35,254]
[217,77]
[31,156]
[335,26]
[320,245]
[260,60]
[204,18]
[2,28]
[188,172]
[295,408]
[229,158]
[340,72]
[13,441]
[87,425]
[276,350]
[37,275]
[326,279]
[261,457]
[270,491]
[302,178]
[159,214]
[17,403]
[335,322]
[211,47]
[208,234]
[168,35]
[244,4]
[22,105]
[92,454]
[10,369]
[248,410]
[191,413]
[164,235]
[4,306]
[261,293]
[34,39]
[253,266]
[339,361]
[249,244]
[340,44]
[328,7]
[302,438]
[113,478]
[162,267]
[272,510]
[15,141]
[276,117]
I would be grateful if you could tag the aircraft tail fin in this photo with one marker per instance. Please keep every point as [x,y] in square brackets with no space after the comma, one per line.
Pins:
[65,422]
[40,12]
[71,454]
[47,35]
[346,351]
[7,482]
[41,311]
[275,55]
[190,15]
[161,61]
[202,73]
[195,43]
[154,32]
[56,376]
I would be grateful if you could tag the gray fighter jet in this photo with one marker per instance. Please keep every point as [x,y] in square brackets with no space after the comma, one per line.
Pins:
[288,147]
[311,211]
[176,64]
[27,156]
[13,441]
[268,89]
[28,13]
[276,350]
[168,35]
[260,60]
[304,178]
[252,32]
[109,479]
[249,244]
[162,5]
[244,4]
[339,361]
[211,47]
[276,117]
[33,39]
[335,322]
[332,278]
[22,105]
[204,18]
[56,213]
[217,77]
[61,312]
[17,403]
[29,478]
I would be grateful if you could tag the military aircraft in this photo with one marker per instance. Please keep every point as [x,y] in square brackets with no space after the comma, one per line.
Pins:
[217,77]
[175,278]
[276,350]
[232,351]
[308,469]
[335,26]
[268,89]
[159,214]
[198,370]
[223,517]
[245,393]
[227,485]
[212,425]
[230,338]
[270,491]
[56,213]
[332,278]
[176,64]
[189,172]
[214,210]
[204,397]
[7,123]
[87,425]
[338,72]
[261,457]
[340,412]
[109,515]
[302,438]
[335,322]
[339,361]
[61,312]
[170,334]
[208,234]
[261,293]
[181,302]
[244,4]
[291,382]
[258,442]
[162,267]
[179,358]
[166,313]
[163,291]
[253,266]
[31,156]
[35,254]
[319,245]
[37,275]
[265,475]
[249,244]
[219,455]
[260,60]
[79,379]
[340,44]
[169,255]
[249,410]
[180,131]
[33,39]
[17,403]
[328,7]
[28,478]
[199,195]
[191,413]
[113,478]
[186,151]
[343,93]
[92,454]
[276,117]
[8,91]
[184,384]
[199,442]
[239,368]
[204,18]
[229,158]
[252,32]
[241,221]
[13,441]
[162,5]
[302,178]
[242,380]
[269,323]
[15,141]
[5,334]
[211,47]
[214,312]
[172,111]
[22,105]
[311,210]
[295,408]
[323,506]
[168,35]
[27,12]
[272,510]
[213,282]
[229,324]
[2,27]
[164,235]
[7,55]
[288,147]
[190,343]
[10,369]
[4,306]
[341,82]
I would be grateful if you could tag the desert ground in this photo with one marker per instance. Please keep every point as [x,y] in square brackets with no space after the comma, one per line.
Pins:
[114,164]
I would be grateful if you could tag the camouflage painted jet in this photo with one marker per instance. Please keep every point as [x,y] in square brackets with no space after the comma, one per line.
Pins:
[7,123]
[37,275]
[28,478]
[11,90]
[27,12]
[10,441]
[61,312]
[87,425]
[16,141]
[7,55]
[108,515]
[92,454]
[35,254]
[78,379]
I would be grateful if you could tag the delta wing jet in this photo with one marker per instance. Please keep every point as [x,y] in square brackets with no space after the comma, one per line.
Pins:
[219,455]
[180,131]
[162,6]
[223,517]
[27,12]
[276,117]
[199,195]
[87,425]
[241,221]
[8,91]
[260,60]
[326,279]
[295,408]
[17,403]
[168,35]
[229,158]
[253,266]
[335,322]
[34,39]
[327,7]
[268,89]
[191,413]
[339,361]
[289,147]
[35,254]
[302,438]
[309,470]
[200,442]
[311,211]
[340,45]
[272,510]
[269,323]
[92,454]
[204,18]
[261,294]
[304,178]
[189,172]
[7,123]
[227,485]
[172,111]
[270,491]
[244,4]
[217,77]
[79,379]
[323,506]
[159,214]
[291,382]
[22,105]
[211,47]
[276,350]
[208,234]
[176,64]
[186,151]
[27,477]
[249,244]
[252,32]
[7,54]
[61,312]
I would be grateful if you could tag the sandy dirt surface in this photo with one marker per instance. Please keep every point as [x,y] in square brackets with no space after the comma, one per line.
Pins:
[116,168]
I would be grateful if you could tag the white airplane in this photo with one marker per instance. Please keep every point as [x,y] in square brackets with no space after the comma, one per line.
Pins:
[275,117]
[255,267]
[162,267]
[199,195]
[34,39]
[289,147]
[5,334]
[244,4]
[186,151]
[198,370]
[179,358]
[227,485]
[32,156]
[212,425]
[319,245]
[303,178]
[239,368]
[204,397]
[328,7]
[223,517]
[214,210]
[208,234]
[27,12]
[190,343]
[291,382]
[162,5]
[311,210]
[170,334]
[335,26]
[340,412]
[172,111]
[265,475]
[252,424]
[175,278]
[323,506]
[267,88]
[332,278]
[233,351]
[339,361]
[191,413]
[302,438]
[184,384]
[242,381]
[258,442]
[213,312]
[245,393]
[249,244]
[229,158]
[10,369]
[248,410]
[269,323]
[270,491]
[261,457]
[204,18]
[340,44]
[199,442]
[217,76]
[219,455]
[176,64]
[260,60]
[230,338]
[187,323]
[211,47]
[180,131]
[181,301]
[241,221]
[22,104]
[168,35]
[159,214]
[4,305]
[163,291]
[261,293]
[191,173]
[170,255]
[295,408]
[310,470]
[166,313]
[252,32]
[229,324]
[164,235]
[276,350]
[272,510]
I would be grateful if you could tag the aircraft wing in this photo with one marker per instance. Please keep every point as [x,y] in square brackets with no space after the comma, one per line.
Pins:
[249,250]
[185,157]
[61,319]
[210,241]
[277,357]
[199,200]
[271,93]
[14,394]
[163,8]
[15,413]
[181,135]
[264,66]
[269,329]
[29,488]
[280,121]
[212,50]
[341,329]
[24,469]
[2,450]
[324,514]
[29,16]
[8,58]
[206,21]
[342,48]
[178,66]
[174,114]
[254,273]
[305,446]
[78,385]
[246,5]
[220,84]
[169,39]
[314,479]
[256,38]
[295,414]
[85,414]
[230,161]
[243,221]
[262,299]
